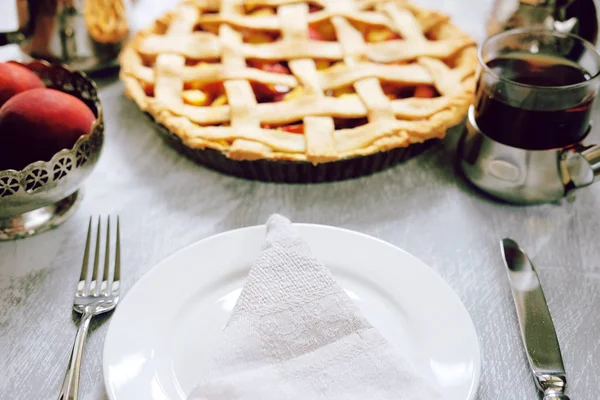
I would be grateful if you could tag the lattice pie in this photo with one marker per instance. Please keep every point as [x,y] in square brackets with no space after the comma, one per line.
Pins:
[315,81]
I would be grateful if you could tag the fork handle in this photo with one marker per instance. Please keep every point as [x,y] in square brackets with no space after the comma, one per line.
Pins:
[70,386]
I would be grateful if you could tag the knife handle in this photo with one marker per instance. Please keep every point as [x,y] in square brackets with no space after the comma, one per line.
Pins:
[556,396]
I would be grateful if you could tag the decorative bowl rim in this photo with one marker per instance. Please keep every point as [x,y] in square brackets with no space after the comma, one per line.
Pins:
[82,138]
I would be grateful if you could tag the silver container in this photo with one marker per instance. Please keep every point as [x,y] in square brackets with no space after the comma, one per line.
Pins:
[45,193]
[55,30]
[524,176]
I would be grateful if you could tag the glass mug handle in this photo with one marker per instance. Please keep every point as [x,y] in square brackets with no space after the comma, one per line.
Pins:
[582,165]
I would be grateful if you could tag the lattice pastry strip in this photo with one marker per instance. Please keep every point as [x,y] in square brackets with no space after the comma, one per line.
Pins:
[368,89]
[403,21]
[239,94]
[330,78]
[200,45]
[169,84]
[318,131]
[180,49]
[379,112]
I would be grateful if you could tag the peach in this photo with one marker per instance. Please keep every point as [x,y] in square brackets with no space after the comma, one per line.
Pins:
[36,124]
[14,79]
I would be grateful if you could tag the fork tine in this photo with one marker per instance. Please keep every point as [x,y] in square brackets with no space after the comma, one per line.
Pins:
[96,274]
[118,252]
[106,278]
[85,266]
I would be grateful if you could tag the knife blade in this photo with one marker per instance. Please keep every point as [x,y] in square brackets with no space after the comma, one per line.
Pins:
[535,322]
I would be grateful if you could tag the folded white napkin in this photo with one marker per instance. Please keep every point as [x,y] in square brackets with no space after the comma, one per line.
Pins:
[295,334]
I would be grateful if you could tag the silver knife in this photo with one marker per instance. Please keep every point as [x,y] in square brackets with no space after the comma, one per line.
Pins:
[537,329]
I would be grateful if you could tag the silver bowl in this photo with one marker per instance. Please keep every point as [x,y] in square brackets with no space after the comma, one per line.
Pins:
[44,194]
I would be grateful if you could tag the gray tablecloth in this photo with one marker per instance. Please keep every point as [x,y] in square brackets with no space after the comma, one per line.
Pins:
[166,202]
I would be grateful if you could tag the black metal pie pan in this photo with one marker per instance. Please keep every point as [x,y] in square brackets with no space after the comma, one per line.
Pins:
[294,171]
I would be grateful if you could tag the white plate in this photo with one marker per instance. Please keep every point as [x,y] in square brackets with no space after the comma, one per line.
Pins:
[164,329]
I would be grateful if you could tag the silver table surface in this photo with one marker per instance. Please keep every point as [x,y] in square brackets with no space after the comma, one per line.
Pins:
[166,203]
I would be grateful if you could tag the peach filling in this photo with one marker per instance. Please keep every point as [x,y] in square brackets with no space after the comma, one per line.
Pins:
[204,94]
[148,89]
[196,62]
[322,64]
[293,127]
[349,123]
[258,10]
[266,93]
[280,67]
[342,91]
[269,93]
[259,37]
[396,91]
[380,34]
[312,8]
[375,33]
[148,60]
[339,123]
[323,31]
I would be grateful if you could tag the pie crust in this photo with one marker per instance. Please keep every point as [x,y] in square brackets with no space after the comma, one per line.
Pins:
[220,43]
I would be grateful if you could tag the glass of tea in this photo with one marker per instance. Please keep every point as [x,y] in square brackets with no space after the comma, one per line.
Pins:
[536,88]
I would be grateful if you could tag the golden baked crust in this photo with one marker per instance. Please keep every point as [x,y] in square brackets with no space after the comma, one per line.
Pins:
[432,51]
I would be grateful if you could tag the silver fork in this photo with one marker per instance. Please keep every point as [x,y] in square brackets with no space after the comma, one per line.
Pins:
[96,293]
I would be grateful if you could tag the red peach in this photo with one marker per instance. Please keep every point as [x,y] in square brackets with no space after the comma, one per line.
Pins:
[14,79]
[36,124]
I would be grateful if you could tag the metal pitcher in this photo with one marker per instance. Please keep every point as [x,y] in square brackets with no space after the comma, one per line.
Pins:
[567,16]
[56,30]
